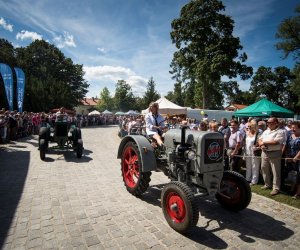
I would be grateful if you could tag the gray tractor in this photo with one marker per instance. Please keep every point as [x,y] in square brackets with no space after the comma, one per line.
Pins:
[66,136]
[193,161]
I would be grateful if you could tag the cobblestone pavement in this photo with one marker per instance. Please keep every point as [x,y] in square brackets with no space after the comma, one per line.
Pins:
[66,203]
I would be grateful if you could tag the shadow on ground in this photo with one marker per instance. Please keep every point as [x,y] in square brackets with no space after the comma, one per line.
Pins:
[247,224]
[13,172]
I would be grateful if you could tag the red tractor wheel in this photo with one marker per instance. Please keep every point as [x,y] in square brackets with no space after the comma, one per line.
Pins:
[179,206]
[135,180]
[235,193]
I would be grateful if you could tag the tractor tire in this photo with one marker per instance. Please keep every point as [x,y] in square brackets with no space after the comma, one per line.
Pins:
[235,192]
[79,148]
[179,206]
[76,135]
[44,133]
[135,181]
[42,147]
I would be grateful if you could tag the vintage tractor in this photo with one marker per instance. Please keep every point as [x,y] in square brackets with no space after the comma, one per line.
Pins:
[193,160]
[66,136]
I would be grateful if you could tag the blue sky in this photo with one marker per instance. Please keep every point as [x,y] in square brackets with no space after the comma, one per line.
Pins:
[130,39]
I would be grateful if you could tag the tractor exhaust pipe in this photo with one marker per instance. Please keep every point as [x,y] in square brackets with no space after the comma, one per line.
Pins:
[183,130]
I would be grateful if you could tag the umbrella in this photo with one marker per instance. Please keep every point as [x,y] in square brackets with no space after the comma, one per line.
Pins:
[120,113]
[95,112]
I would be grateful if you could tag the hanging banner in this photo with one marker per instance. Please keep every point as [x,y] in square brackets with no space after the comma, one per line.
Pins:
[7,77]
[20,87]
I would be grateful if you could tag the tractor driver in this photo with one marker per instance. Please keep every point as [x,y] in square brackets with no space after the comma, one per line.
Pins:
[61,115]
[155,123]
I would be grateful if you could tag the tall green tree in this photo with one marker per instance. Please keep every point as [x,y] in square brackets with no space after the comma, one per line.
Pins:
[233,94]
[206,50]
[52,80]
[151,94]
[106,101]
[124,98]
[274,84]
[289,34]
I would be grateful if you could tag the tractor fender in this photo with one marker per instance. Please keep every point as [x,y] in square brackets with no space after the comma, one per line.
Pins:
[146,151]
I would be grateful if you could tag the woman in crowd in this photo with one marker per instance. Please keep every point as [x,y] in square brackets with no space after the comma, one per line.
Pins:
[251,149]
[293,151]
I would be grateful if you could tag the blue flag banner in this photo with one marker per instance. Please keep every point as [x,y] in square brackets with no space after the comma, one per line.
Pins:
[20,87]
[7,77]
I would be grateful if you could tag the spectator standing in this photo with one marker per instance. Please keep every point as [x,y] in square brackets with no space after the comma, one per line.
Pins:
[225,130]
[261,126]
[252,161]
[293,151]
[271,142]
[235,147]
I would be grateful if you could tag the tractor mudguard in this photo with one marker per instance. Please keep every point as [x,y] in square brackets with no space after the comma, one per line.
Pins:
[146,151]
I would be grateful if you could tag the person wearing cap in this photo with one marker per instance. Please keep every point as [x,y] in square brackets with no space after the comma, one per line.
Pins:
[155,123]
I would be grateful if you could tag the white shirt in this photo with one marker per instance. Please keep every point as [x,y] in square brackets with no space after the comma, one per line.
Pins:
[273,135]
[235,138]
[150,122]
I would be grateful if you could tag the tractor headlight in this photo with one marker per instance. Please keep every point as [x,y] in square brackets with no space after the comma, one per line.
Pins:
[190,154]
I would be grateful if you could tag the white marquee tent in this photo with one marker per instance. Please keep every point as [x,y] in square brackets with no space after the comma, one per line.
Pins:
[168,108]
[95,112]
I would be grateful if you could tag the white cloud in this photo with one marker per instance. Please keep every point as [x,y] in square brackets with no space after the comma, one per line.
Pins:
[5,25]
[65,40]
[111,74]
[102,50]
[25,34]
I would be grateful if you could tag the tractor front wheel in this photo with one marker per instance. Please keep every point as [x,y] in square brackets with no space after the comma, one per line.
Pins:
[179,206]
[135,181]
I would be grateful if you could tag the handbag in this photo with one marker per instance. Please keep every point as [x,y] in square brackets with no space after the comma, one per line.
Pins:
[256,151]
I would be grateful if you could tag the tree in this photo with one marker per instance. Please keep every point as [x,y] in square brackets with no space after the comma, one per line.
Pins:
[207,50]
[233,93]
[274,85]
[295,88]
[289,33]
[106,101]
[52,80]
[151,94]
[124,99]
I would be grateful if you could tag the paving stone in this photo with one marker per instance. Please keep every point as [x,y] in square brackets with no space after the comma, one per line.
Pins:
[91,241]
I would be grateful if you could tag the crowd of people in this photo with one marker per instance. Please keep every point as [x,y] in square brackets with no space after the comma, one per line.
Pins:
[268,147]
[15,125]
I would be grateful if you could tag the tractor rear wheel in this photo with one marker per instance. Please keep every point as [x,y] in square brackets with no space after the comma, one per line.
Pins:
[42,147]
[179,206]
[135,181]
[79,148]
[235,192]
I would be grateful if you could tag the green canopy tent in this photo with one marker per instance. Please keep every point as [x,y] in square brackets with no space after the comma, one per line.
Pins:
[264,108]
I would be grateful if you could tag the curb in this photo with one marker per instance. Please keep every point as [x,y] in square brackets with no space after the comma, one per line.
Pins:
[280,203]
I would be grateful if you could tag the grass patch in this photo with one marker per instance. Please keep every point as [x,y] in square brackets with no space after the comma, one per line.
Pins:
[283,196]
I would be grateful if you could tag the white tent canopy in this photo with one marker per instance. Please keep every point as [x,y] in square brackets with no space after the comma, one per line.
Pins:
[132,112]
[168,108]
[106,112]
[94,112]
